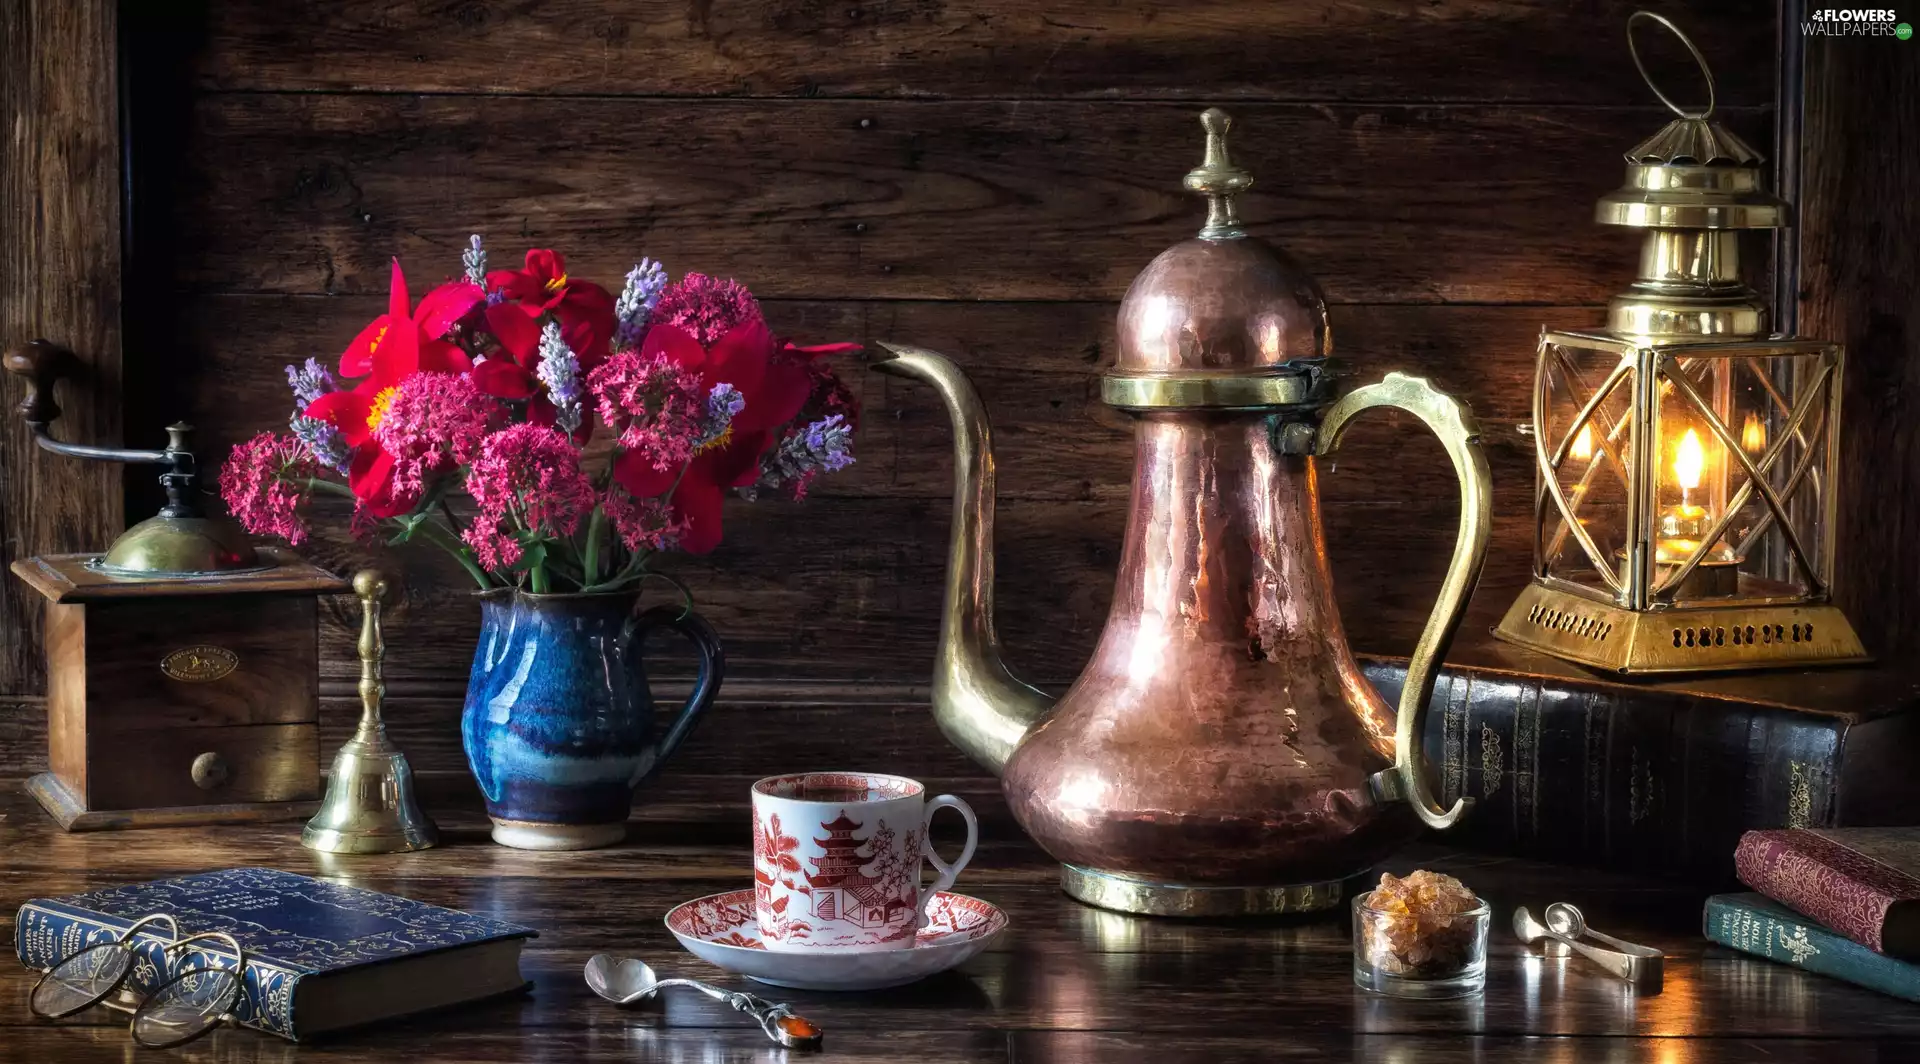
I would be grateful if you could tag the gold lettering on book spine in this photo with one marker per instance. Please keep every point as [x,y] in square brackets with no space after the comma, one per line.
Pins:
[1492,768]
[1799,795]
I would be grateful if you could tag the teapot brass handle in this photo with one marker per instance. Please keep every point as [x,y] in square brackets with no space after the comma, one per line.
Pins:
[1460,435]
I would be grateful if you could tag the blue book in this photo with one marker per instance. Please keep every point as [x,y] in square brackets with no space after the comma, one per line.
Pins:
[320,957]
[1756,924]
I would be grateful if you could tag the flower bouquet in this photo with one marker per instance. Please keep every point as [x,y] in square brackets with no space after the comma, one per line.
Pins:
[495,383]
[494,386]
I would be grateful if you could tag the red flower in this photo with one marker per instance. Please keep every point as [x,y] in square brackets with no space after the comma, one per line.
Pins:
[585,312]
[774,390]
[585,309]
[393,347]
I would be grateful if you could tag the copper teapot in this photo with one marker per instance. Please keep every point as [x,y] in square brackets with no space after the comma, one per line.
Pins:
[1222,752]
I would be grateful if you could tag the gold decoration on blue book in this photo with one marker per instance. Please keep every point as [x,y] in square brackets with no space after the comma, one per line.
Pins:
[320,956]
[370,807]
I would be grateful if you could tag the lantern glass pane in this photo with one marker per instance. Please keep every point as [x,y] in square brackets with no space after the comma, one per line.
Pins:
[1585,436]
[1739,421]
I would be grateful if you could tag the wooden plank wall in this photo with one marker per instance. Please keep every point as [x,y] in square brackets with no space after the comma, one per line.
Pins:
[1860,284]
[59,279]
[977,176]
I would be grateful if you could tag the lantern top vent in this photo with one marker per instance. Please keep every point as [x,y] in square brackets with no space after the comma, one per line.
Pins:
[1222,320]
[1694,173]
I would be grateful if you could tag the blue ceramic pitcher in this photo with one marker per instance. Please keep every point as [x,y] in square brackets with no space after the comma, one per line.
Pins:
[559,724]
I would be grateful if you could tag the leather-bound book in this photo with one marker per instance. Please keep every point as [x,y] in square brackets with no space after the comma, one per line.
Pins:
[1664,777]
[1861,882]
[321,957]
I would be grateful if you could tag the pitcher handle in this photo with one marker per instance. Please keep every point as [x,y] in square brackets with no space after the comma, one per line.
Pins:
[713,666]
[1460,434]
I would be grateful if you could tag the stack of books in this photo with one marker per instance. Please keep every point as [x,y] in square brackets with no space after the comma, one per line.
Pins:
[1843,902]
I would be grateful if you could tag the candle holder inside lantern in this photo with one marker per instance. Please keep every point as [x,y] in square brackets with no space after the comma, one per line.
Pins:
[1686,461]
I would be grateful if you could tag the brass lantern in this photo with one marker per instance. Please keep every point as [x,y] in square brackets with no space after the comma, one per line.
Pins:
[1686,460]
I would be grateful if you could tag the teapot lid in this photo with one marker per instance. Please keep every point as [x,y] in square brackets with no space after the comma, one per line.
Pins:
[1223,320]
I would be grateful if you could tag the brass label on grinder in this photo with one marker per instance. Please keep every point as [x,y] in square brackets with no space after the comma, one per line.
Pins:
[202,664]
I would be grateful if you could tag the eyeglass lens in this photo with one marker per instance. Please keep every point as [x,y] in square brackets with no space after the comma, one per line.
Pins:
[81,980]
[186,1006]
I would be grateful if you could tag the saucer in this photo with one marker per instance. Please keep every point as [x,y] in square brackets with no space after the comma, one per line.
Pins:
[721,929]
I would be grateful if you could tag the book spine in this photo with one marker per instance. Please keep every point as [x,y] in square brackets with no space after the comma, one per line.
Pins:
[1821,878]
[1632,780]
[46,932]
[1748,924]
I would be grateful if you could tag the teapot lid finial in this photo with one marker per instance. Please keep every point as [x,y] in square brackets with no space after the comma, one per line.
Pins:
[1218,179]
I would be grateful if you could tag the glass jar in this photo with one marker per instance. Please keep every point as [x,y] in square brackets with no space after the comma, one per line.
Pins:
[1427,955]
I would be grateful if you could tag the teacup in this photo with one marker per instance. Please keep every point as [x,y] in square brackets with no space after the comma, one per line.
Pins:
[836,860]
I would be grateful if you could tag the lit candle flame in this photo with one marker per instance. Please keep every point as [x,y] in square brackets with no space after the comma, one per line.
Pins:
[1753,435]
[1583,444]
[1689,460]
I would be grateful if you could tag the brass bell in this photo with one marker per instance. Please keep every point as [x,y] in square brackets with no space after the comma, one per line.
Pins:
[369,807]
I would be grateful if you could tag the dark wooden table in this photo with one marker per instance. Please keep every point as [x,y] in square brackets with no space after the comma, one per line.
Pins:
[1067,982]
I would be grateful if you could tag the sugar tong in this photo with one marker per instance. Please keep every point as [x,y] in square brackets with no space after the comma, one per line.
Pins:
[1566,929]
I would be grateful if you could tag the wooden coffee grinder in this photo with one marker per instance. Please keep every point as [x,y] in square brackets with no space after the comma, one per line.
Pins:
[182,664]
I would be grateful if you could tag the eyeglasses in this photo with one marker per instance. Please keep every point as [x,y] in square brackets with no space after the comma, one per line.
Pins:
[196,997]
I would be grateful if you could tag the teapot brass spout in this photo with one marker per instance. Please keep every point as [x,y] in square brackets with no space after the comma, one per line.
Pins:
[1222,752]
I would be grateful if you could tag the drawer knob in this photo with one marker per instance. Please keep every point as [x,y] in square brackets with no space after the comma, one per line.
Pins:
[209,771]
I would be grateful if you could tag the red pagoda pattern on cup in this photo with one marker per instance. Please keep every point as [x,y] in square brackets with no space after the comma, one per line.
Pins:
[837,860]
[863,884]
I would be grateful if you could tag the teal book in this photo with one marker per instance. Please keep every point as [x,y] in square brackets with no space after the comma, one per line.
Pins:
[321,957]
[1756,924]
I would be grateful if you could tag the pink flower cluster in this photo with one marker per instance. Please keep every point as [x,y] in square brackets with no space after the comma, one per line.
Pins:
[526,477]
[643,524]
[264,482]
[435,421]
[657,405]
[706,307]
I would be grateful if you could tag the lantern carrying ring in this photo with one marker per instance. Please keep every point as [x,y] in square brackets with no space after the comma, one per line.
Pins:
[1705,71]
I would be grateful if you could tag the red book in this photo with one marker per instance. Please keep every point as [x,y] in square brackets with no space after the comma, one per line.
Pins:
[1862,882]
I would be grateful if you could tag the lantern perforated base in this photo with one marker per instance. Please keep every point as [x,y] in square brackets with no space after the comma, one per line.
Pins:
[1679,639]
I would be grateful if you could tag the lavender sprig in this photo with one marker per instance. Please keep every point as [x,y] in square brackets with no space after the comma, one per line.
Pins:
[634,308]
[475,260]
[724,404]
[560,372]
[309,382]
[825,446]
[323,441]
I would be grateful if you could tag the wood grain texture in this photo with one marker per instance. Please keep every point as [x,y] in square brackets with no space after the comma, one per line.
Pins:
[1066,983]
[59,280]
[136,769]
[272,680]
[887,199]
[1430,50]
[1860,285]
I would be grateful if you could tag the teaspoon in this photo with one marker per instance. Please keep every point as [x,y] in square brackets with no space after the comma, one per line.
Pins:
[625,980]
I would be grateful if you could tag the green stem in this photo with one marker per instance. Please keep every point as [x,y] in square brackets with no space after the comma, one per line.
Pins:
[440,536]
[540,579]
[590,561]
[330,487]
[452,545]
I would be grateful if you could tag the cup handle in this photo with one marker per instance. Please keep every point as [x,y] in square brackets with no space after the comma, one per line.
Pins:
[947,872]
